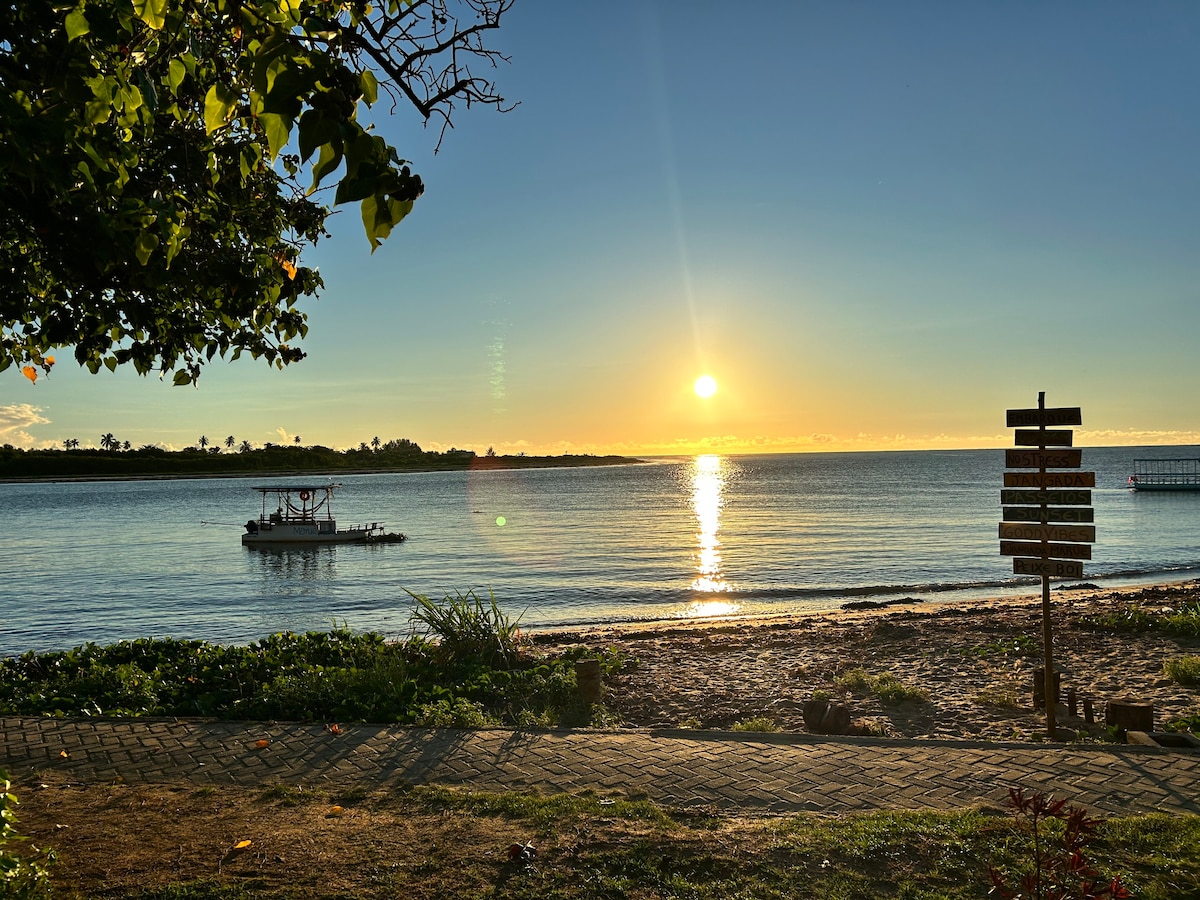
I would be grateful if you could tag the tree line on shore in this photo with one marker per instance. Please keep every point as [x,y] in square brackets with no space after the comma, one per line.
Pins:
[117,459]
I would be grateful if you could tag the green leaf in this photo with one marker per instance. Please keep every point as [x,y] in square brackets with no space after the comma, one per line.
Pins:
[316,129]
[77,24]
[176,72]
[370,87]
[110,362]
[277,129]
[145,245]
[182,378]
[218,107]
[330,159]
[152,12]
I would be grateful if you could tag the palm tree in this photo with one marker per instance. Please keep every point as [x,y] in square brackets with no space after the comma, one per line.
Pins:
[229,442]
[246,447]
[127,446]
[375,442]
[203,442]
[108,442]
[297,440]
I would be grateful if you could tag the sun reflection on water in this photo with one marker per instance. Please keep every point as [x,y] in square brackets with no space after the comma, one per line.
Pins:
[708,485]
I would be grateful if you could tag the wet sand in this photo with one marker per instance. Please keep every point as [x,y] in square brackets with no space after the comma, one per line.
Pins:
[973,661]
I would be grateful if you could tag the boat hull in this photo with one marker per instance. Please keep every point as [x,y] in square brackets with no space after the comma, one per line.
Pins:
[307,533]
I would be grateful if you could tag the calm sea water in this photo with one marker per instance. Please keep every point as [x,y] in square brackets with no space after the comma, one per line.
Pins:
[105,561]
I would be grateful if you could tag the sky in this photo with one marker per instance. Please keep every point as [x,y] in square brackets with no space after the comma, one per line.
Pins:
[876,225]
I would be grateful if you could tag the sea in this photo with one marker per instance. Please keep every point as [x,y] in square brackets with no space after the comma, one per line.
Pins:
[557,548]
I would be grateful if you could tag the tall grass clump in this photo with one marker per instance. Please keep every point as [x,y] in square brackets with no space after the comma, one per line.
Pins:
[467,628]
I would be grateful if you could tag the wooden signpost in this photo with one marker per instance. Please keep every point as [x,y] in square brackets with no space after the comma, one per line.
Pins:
[1047,515]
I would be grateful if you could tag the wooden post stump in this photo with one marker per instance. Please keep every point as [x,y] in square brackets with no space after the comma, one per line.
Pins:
[1129,715]
[1039,688]
[588,680]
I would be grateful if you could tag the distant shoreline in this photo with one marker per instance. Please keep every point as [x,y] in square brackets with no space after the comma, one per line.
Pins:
[479,463]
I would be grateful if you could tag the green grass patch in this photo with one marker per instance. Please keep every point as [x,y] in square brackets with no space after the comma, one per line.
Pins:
[758,723]
[1183,669]
[1182,622]
[890,690]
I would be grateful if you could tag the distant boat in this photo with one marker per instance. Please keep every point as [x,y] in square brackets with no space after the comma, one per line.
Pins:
[1165,475]
[303,514]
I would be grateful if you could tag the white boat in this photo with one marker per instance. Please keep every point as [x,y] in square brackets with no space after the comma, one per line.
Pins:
[303,514]
[1165,475]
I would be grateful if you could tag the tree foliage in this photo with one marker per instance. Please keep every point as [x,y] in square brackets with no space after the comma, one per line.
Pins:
[163,159]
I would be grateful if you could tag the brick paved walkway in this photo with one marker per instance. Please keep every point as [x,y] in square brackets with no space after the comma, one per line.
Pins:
[764,773]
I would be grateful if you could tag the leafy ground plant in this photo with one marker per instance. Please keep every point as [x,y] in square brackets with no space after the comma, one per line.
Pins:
[1058,868]
[22,876]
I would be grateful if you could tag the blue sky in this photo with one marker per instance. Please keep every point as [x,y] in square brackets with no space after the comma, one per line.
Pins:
[877,225]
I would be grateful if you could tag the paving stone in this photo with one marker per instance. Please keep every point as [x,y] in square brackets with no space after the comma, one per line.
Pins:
[782,774]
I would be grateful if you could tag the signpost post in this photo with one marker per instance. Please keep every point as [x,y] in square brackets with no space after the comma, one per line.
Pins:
[1047,515]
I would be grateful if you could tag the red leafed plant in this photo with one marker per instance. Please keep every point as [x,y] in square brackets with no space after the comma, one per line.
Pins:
[1060,869]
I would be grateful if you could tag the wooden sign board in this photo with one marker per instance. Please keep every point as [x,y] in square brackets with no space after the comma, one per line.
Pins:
[1042,514]
[1055,568]
[1043,459]
[1075,534]
[1023,418]
[1056,498]
[1045,551]
[1050,479]
[1023,437]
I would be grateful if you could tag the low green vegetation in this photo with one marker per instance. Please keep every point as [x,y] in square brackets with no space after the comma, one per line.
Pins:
[471,668]
[1183,669]
[756,724]
[890,690]
[1182,622]
[23,876]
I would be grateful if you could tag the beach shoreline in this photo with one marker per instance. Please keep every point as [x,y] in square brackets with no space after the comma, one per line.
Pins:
[972,662]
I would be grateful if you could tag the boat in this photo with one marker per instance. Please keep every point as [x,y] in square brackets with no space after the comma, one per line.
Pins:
[303,514]
[1165,475]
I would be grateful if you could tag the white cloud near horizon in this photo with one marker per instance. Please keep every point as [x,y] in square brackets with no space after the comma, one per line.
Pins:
[17,417]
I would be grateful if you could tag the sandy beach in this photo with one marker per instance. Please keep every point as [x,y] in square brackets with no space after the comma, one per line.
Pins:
[973,662]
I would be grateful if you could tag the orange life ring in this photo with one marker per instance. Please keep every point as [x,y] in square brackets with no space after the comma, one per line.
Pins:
[305,495]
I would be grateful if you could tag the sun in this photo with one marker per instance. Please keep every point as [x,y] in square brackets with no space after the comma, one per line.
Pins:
[705,386]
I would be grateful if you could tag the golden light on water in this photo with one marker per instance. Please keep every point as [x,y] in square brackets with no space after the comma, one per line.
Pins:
[708,486]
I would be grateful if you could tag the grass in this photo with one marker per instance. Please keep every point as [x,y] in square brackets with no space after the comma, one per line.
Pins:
[1181,622]
[1000,697]
[890,690]
[758,723]
[429,842]
[1183,669]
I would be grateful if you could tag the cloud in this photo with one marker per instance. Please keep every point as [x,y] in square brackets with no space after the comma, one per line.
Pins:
[15,419]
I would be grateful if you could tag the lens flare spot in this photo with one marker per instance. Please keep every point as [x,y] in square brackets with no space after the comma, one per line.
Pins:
[501,521]
[705,386]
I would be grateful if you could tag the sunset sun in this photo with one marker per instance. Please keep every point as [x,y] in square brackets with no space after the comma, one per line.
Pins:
[705,386]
